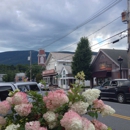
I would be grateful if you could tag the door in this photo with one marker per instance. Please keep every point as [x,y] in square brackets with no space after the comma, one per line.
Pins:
[104,89]
[112,89]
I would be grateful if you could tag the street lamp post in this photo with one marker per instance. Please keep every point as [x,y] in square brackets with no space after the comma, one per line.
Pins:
[120,60]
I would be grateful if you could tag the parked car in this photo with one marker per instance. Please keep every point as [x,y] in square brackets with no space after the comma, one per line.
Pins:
[118,89]
[5,88]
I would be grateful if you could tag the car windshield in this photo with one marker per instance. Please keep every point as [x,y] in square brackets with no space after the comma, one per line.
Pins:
[34,87]
[107,83]
[25,88]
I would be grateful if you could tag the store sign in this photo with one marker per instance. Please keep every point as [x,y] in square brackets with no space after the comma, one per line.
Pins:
[47,72]
[104,66]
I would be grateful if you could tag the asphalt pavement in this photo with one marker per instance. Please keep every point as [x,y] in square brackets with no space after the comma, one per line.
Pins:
[120,120]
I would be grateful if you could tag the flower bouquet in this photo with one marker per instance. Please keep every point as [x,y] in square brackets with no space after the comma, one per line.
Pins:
[57,110]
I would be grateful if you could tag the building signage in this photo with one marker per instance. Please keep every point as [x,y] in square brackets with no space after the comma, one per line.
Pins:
[104,66]
[47,72]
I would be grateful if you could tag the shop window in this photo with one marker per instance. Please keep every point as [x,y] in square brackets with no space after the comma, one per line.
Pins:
[102,65]
[20,78]
[102,57]
[64,74]
[41,60]
[63,81]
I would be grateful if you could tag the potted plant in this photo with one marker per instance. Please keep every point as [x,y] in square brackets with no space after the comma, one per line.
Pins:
[57,110]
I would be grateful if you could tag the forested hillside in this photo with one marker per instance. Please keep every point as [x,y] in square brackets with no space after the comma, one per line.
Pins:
[18,57]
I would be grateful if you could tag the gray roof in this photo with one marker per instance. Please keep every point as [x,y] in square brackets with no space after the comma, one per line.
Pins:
[68,68]
[114,54]
[62,56]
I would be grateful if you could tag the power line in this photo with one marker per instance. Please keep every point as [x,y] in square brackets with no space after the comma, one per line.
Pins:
[112,42]
[93,32]
[109,38]
[92,18]
[100,42]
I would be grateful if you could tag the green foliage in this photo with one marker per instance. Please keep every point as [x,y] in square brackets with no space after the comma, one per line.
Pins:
[43,82]
[35,69]
[38,77]
[9,76]
[82,58]
[11,70]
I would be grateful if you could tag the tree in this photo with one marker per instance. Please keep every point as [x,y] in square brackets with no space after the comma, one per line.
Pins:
[82,58]
[39,77]
[9,76]
[35,69]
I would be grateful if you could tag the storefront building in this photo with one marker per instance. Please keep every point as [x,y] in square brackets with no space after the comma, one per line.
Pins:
[106,65]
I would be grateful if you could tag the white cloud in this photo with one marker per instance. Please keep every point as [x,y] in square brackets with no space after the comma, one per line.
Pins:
[51,25]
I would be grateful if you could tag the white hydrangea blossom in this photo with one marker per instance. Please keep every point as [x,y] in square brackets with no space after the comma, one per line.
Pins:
[52,125]
[91,95]
[107,110]
[91,127]
[75,125]
[80,107]
[50,116]
[12,127]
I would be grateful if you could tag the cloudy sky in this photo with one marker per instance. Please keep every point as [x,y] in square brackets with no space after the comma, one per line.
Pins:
[58,25]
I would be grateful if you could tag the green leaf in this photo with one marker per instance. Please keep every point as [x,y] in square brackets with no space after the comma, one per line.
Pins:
[109,128]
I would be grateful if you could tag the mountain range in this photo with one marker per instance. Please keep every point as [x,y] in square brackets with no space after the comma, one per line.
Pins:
[19,57]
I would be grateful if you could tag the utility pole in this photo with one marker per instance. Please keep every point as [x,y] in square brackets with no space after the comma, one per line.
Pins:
[30,67]
[128,21]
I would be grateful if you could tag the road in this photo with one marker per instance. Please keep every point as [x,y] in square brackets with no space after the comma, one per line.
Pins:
[121,119]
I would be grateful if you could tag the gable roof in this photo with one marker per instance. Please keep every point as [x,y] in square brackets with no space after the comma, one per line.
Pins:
[113,55]
[68,68]
[60,56]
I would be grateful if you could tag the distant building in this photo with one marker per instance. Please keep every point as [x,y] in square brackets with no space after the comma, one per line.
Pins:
[106,66]
[58,69]
[1,77]
[41,57]
[20,77]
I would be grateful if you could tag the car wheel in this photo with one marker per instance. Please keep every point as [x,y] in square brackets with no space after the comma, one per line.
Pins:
[121,98]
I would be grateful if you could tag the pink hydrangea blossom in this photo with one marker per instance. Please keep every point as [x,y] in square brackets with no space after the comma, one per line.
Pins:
[42,128]
[23,109]
[71,121]
[2,120]
[19,98]
[87,125]
[99,125]
[98,104]
[55,99]
[70,91]
[4,107]
[33,125]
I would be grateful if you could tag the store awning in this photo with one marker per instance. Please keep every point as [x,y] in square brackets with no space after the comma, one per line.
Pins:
[51,72]
[102,74]
[68,78]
